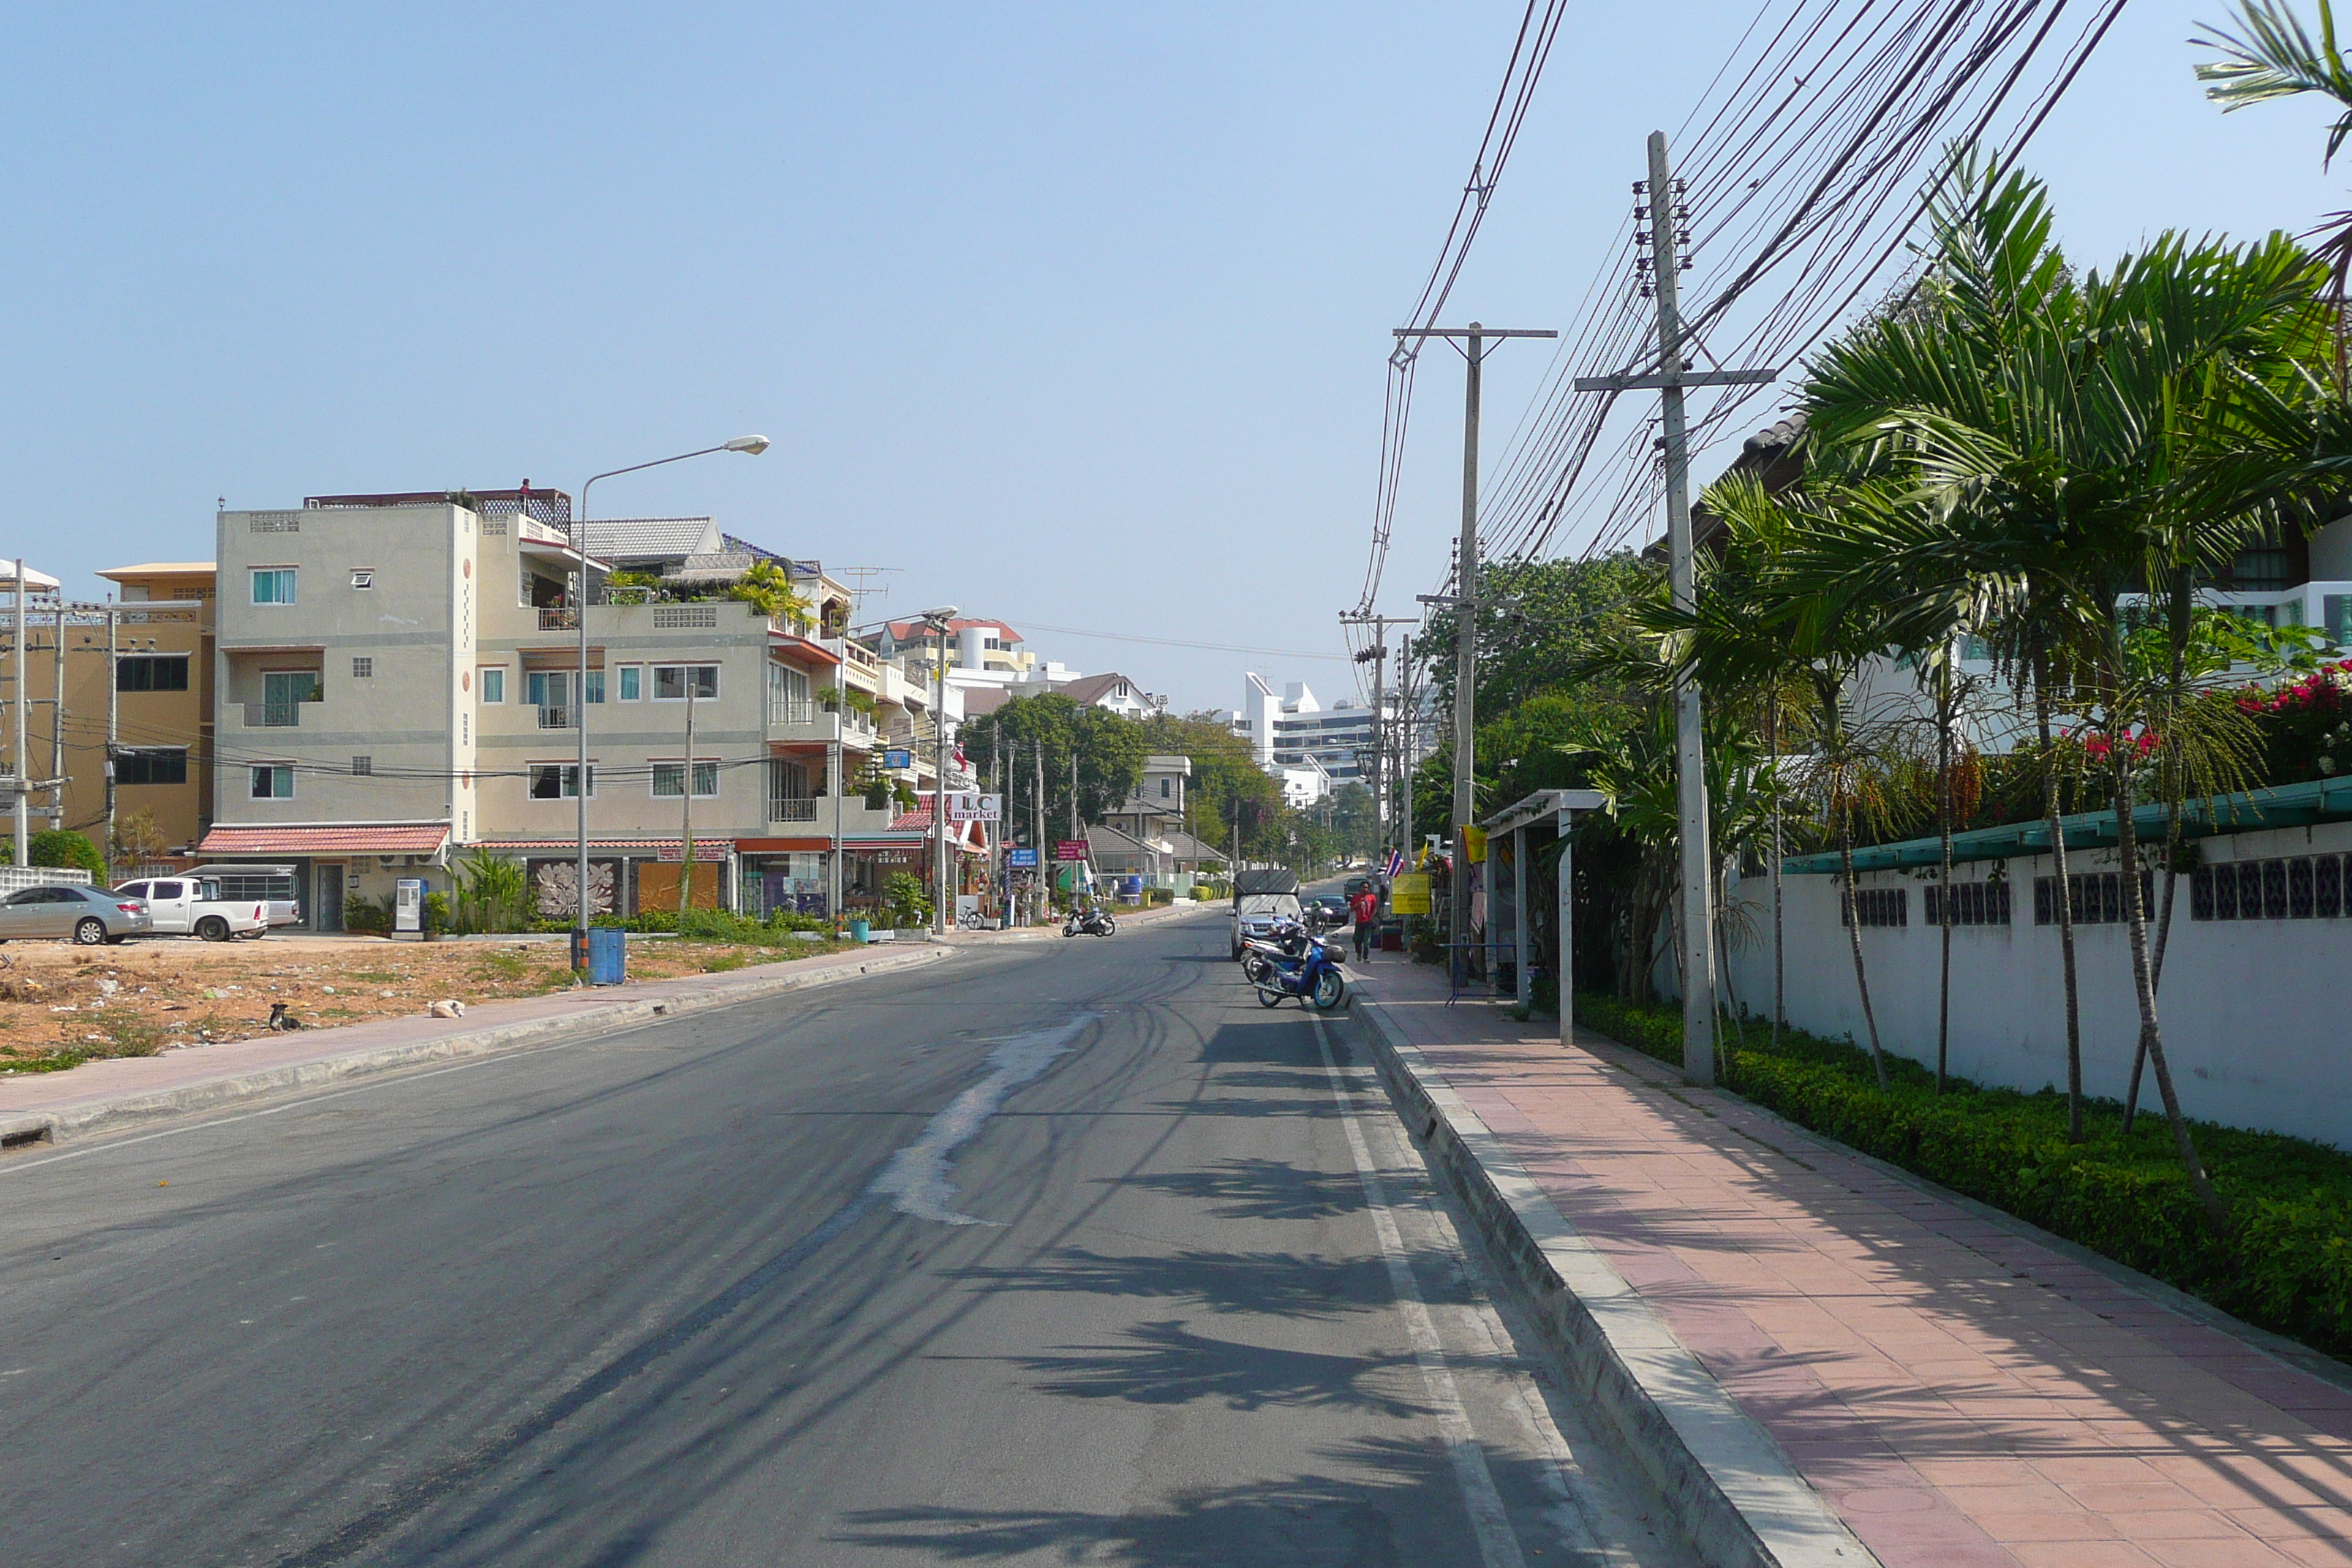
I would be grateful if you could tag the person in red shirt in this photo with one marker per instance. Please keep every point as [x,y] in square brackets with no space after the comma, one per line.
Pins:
[1366,908]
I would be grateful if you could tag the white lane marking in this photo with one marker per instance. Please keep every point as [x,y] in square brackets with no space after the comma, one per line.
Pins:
[1498,1546]
[916,1179]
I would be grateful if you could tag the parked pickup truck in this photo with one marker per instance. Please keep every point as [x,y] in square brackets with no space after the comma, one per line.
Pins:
[193,906]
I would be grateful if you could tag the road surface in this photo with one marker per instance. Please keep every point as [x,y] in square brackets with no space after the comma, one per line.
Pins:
[1061,1251]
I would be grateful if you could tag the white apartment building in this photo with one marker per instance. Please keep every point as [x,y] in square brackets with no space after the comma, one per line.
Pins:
[400,683]
[1311,748]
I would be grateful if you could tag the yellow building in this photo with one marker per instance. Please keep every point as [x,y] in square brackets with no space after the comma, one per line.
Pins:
[150,692]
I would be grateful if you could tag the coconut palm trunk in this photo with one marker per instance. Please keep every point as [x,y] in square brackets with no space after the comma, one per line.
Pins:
[1944,894]
[2062,900]
[2151,1032]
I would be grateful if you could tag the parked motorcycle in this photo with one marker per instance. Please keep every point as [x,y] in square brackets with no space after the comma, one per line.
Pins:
[1285,940]
[1314,976]
[1090,923]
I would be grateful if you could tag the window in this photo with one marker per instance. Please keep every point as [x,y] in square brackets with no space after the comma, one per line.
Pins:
[632,682]
[547,688]
[560,780]
[363,577]
[494,683]
[152,672]
[273,783]
[670,780]
[158,766]
[670,681]
[273,585]
[363,669]
[362,767]
[2096,898]
[1973,904]
[1164,784]
[2306,886]
[592,686]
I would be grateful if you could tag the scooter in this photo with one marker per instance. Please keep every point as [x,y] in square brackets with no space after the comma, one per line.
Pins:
[1285,942]
[1090,923]
[1314,977]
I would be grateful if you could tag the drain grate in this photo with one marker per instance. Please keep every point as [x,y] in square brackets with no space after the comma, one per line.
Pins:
[23,1138]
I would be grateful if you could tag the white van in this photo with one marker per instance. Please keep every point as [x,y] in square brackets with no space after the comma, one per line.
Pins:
[193,906]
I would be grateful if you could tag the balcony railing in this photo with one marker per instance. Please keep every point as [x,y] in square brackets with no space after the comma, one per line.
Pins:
[273,715]
[554,718]
[791,711]
[782,810]
[557,618]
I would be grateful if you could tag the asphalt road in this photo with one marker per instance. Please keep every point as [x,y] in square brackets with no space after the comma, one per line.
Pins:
[1058,1252]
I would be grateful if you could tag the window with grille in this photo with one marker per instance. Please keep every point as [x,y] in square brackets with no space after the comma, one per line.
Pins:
[1973,904]
[362,767]
[363,669]
[2298,888]
[1875,907]
[2096,898]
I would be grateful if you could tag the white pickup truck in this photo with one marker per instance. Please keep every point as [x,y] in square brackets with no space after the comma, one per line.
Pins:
[193,906]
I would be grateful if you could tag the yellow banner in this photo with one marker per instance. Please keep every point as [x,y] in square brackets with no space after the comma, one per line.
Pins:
[1473,845]
[1409,894]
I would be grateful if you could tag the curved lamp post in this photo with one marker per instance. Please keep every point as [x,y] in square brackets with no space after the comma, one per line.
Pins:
[752,446]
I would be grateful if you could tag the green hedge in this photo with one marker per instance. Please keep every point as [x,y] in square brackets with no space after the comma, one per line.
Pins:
[2284,1262]
[705,925]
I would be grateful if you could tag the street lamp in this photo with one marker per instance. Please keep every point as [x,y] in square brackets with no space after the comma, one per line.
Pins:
[937,619]
[752,446]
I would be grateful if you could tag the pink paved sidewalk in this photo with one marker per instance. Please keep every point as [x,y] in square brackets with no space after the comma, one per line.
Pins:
[1961,1393]
[99,1083]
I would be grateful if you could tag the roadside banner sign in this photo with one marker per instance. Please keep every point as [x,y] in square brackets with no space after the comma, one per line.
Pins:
[968,806]
[1473,845]
[891,759]
[1069,849]
[1017,858]
[1409,894]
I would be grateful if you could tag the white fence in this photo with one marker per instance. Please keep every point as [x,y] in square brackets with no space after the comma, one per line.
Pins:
[17,879]
[2254,1007]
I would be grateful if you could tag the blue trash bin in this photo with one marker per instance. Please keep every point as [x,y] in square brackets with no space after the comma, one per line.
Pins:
[608,955]
[859,931]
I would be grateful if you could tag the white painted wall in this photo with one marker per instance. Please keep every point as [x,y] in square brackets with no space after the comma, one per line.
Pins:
[2253,1010]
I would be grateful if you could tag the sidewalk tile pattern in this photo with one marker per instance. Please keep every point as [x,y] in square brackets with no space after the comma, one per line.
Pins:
[1960,1394]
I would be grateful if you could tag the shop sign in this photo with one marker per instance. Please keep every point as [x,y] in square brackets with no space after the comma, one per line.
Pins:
[1409,894]
[705,850]
[1069,849]
[898,759]
[1016,857]
[969,806]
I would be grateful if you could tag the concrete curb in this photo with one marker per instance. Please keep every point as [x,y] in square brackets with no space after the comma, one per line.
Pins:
[1733,1489]
[79,1120]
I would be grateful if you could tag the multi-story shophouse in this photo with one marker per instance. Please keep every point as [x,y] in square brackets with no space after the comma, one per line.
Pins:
[403,679]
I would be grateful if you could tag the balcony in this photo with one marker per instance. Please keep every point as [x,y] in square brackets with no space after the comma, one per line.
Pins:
[555,718]
[811,722]
[272,715]
[789,710]
[801,810]
[557,618]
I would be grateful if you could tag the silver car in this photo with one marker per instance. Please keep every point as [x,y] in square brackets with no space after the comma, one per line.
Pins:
[86,915]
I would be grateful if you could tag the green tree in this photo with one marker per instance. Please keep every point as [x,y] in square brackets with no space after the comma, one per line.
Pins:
[67,849]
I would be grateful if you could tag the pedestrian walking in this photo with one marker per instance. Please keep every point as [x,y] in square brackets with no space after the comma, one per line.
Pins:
[1366,908]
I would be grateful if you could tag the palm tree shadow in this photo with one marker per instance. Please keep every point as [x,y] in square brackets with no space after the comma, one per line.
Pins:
[1167,1363]
[1250,1188]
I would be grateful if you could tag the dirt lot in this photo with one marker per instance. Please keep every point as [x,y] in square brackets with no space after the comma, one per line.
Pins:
[60,1004]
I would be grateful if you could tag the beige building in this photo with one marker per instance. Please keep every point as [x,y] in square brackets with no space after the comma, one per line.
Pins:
[400,685]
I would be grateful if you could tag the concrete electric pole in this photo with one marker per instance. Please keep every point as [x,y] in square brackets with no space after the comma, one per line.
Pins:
[1465,601]
[1694,916]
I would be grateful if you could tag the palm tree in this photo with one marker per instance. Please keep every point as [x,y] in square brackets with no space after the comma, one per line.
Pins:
[2071,436]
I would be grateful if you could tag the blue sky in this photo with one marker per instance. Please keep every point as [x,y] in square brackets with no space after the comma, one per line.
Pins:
[1076,315]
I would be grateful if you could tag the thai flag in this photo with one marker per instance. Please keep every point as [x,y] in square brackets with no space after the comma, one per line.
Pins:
[1396,862]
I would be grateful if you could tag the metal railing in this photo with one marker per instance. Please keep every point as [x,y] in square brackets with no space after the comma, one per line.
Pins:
[273,715]
[554,718]
[783,810]
[557,618]
[791,711]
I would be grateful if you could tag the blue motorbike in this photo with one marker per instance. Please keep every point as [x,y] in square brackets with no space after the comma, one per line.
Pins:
[1303,966]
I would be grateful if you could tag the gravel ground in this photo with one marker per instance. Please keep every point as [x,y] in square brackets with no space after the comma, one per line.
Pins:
[60,1004]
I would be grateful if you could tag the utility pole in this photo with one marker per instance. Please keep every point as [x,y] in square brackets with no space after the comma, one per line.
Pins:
[113,727]
[685,795]
[1406,719]
[24,673]
[1376,656]
[57,727]
[1465,622]
[1663,209]
[1038,816]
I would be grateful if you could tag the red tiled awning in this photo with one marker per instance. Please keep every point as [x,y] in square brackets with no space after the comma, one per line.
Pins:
[395,838]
